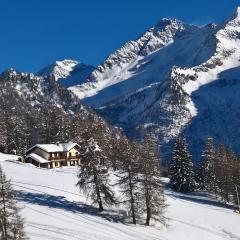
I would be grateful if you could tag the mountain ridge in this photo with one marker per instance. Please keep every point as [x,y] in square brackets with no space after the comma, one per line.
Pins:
[156,91]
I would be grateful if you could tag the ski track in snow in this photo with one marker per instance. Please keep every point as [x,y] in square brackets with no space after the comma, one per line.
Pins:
[47,217]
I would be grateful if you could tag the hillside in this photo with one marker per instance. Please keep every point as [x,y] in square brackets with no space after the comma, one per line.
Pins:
[54,209]
[36,109]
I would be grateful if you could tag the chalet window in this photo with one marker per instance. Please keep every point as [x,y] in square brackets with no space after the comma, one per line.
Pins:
[60,154]
[70,154]
[76,153]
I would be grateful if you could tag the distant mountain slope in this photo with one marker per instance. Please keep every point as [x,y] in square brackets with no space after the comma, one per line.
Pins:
[176,78]
[37,91]
[67,72]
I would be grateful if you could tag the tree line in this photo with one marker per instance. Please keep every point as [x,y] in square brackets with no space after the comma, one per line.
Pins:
[218,174]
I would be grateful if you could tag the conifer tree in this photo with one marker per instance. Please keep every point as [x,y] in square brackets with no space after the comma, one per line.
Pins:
[182,176]
[11,223]
[93,175]
[207,169]
[3,133]
[150,182]
[128,176]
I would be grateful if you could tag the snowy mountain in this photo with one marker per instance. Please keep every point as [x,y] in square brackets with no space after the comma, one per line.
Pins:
[175,78]
[53,208]
[67,72]
[37,91]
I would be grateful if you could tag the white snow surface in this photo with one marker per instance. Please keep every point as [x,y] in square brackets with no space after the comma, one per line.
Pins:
[61,147]
[53,208]
[37,158]
[4,157]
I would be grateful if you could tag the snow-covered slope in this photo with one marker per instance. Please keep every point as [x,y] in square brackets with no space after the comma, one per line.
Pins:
[54,209]
[4,157]
[67,72]
[176,78]
[135,63]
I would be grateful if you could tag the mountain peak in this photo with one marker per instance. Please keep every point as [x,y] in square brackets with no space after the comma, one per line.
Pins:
[172,27]
[168,21]
[237,11]
[235,18]
[165,22]
[67,62]
[68,72]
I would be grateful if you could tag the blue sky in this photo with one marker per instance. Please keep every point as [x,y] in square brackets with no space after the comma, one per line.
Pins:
[35,33]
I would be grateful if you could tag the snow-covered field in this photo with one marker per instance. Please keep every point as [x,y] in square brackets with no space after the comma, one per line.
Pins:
[54,209]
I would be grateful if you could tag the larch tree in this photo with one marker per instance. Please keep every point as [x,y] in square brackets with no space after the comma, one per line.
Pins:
[128,176]
[93,177]
[3,133]
[151,186]
[11,223]
[182,176]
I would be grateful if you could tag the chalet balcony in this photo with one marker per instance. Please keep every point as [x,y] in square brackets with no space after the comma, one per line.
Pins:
[64,158]
[58,158]
[72,157]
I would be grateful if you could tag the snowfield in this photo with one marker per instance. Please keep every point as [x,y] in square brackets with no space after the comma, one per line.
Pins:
[54,209]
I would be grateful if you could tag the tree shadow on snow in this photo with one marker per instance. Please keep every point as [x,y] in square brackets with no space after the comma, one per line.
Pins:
[60,202]
[200,198]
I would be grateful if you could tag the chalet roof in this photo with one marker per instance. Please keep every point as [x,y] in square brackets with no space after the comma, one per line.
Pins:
[37,158]
[60,147]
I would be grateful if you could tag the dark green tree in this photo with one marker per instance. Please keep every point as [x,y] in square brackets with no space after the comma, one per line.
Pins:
[208,177]
[182,176]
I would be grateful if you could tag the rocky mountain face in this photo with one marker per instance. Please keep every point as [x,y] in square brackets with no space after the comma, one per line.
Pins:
[38,91]
[174,79]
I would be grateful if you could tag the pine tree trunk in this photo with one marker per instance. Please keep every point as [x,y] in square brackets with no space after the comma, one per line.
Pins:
[148,216]
[4,215]
[132,199]
[238,200]
[100,205]
[99,199]
[148,209]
